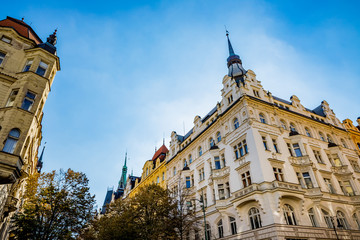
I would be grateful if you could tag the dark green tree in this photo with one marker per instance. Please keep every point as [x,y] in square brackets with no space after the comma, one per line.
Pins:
[58,205]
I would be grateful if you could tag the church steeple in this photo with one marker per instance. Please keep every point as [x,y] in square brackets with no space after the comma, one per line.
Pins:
[122,182]
[39,164]
[234,63]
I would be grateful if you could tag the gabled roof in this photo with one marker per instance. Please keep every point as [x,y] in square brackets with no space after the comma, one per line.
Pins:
[161,151]
[21,28]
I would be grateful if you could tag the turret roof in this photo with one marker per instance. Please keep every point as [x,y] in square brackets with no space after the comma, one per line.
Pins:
[162,150]
[21,28]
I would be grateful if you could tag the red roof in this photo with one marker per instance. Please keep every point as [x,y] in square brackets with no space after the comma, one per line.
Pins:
[21,28]
[161,151]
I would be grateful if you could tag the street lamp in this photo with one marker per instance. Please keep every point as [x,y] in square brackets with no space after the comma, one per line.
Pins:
[339,225]
[203,209]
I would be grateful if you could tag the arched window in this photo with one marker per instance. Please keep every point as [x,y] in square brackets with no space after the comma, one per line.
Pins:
[254,217]
[220,229]
[174,171]
[163,176]
[289,215]
[322,136]
[292,127]
[212,142]
[308,133]
[200,151]
[327,218]
[358,145]
[233,225]
[157,180]
[11,140]
[147,171]
[185,162]
[356,219]
[218,137]
[236,123]
[343,143]
[190,159]
[341,220]
[329,138]
[283,124]
[262,118]
[312,217]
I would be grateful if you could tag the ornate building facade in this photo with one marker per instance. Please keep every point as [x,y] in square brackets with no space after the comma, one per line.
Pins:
[27,70]
[354,132]
[267,168]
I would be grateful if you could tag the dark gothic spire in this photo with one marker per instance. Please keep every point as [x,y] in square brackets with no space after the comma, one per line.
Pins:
[234,63]
[52,38]
[39,164]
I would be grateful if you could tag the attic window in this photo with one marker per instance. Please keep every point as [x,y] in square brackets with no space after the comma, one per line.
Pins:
[256,93]
[6,39]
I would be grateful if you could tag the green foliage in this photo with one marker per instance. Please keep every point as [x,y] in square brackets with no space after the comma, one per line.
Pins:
[151,214]
[57,206]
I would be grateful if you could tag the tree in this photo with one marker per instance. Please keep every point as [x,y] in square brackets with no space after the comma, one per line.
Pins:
[57,206]
[151,214]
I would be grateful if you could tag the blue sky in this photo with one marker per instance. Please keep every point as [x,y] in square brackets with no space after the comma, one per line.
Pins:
[133,71]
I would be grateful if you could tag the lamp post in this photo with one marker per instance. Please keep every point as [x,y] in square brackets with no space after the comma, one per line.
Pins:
[203,209]
[339,225]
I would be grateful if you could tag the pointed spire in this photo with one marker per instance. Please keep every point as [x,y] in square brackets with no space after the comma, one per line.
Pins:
[40,161]
[52,38]
[125,158]
[231,50]
[234,63]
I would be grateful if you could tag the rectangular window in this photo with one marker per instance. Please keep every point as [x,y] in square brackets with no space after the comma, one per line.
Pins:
[28,65]
[221,191]
[265,143]
[290,149]
[41,68]
[240,149]
[192,180]
[201,174]
[329,185]
[6,39]
[12,98]
[233,226]
[355,165]
[275,146]
[223,160]
[307,180]
[188,183]
[347,188]
[28,101]
[227,189]
[278,174]
[217,162]
[2,57]
[246,179]
[297,150]
[318,156]
[335,160]
[300,179]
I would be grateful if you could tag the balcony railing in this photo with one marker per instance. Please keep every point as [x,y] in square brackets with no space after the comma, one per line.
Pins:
[314,191]
[220,173]
[246,191]
[300,161]
[341,170]
[10,166]
[286,185]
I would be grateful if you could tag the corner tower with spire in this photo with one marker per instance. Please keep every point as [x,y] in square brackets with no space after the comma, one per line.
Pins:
[122,183]
[234,63]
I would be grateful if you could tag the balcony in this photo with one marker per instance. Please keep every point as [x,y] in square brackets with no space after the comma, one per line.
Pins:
[314,192]
[355,199]
[341,170]
[245,191]
[286,185]
[10,166]
[220,173]
[300,161]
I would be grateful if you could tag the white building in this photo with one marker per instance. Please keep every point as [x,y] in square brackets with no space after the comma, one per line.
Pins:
[268,168]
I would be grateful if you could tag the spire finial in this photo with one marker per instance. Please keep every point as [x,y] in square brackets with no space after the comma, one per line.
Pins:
[52,38]
[231,50]
[39,164]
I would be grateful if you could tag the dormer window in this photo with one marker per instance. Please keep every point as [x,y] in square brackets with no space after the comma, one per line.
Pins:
[42,68]
[230,99]
[28,65]
[6,39]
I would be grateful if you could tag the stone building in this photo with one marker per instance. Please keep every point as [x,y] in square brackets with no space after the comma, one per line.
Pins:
[27,70]
[267,168]
[354,132]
